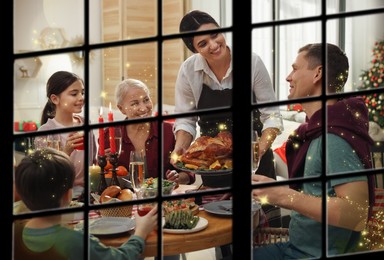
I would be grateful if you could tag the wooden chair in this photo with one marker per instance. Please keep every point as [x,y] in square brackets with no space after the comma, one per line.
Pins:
[377,152]
[268,235]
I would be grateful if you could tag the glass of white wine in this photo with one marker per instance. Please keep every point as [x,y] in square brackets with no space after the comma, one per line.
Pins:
[118,140]
[255,152]
[137,169]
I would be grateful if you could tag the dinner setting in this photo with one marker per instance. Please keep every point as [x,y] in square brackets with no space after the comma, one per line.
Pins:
[148,130]
[186,225]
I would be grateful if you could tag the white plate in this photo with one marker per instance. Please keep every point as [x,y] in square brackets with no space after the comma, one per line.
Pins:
[109,225]
[202,224]
[218,207]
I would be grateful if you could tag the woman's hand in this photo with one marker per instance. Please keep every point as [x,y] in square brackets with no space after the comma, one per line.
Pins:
[183,141]
[178,177]
[173,175]
[175,155]
[266,140]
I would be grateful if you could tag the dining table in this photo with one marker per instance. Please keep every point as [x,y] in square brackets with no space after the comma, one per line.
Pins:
[217,233]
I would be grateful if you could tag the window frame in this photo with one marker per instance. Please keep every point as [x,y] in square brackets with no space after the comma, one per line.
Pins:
[242,104]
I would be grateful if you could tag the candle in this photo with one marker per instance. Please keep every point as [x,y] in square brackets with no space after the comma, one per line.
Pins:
[111,131]
[101,134]
[94,177]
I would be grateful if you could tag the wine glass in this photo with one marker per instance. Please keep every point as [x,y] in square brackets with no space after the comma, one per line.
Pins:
[137,169]
[54,141]
[255,152]
[118,140]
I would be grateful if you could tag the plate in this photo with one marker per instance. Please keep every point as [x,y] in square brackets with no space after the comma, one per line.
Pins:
[218,207]
[202,224]
[109,225]
[204,172]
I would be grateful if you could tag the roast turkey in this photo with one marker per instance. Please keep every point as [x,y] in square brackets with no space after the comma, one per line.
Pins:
[205,150]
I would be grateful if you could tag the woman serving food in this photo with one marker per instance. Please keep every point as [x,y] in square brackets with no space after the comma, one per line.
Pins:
[204,81]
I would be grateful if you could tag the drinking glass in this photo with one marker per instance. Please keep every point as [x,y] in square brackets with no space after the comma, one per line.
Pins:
[53,141]
[137,169]
[255,152]
[118,140]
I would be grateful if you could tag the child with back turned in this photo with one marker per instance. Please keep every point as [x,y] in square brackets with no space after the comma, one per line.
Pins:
[44,180]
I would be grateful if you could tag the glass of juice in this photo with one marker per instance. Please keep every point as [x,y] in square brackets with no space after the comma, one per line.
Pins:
[143,209]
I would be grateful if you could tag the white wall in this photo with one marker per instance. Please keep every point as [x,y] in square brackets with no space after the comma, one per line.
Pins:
[31,17]
[361,33]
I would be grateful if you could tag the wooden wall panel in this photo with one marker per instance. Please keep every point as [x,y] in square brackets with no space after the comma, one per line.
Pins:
[125,19]
[140,20]
[173,50]
[140,63]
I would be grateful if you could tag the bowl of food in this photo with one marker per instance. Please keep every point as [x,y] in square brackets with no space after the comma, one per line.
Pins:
[150,187]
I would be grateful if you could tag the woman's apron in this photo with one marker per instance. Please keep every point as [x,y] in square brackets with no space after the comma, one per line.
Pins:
[212,124]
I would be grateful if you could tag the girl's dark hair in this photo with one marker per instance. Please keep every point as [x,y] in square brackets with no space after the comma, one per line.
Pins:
[43,177]
[191,22]
[57,83]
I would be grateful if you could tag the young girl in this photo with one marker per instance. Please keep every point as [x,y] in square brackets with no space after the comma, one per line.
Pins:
[65,93]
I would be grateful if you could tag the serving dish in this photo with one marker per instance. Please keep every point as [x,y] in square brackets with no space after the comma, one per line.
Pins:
[202,224]
[208,172]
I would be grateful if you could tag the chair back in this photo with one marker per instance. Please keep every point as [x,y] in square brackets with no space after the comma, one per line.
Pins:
[377,153]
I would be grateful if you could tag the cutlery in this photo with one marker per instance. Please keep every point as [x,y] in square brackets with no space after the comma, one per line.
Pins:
[201,185]
[225,208]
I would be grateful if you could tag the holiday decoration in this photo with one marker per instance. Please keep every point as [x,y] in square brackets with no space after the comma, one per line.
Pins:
[373,78]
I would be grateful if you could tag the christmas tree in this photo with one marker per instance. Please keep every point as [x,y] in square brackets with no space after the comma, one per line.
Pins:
[373,79]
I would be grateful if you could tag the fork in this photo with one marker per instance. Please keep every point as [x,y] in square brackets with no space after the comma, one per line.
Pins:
[225,208]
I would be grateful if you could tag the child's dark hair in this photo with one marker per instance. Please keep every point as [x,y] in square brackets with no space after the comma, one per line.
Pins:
[57,83]
[191,22]
[43,177]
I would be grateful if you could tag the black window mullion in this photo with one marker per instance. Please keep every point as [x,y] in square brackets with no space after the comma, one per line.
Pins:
[86,129]
[7,131]
[241,113]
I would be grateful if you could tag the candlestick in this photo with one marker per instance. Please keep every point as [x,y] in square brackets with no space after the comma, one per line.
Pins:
[111,131]
[102,161]
[114,161]
[101,134]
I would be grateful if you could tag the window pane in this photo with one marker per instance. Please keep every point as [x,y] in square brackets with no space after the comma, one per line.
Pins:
[135,61]
[263,10]
[122,20]
[45,24]
[30,82]
[352,5]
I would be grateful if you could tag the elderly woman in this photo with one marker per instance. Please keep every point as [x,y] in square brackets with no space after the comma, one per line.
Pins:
[134,101]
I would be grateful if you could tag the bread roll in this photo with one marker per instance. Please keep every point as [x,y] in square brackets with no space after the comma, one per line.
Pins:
[111,191]
[105,199]
[125,194]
